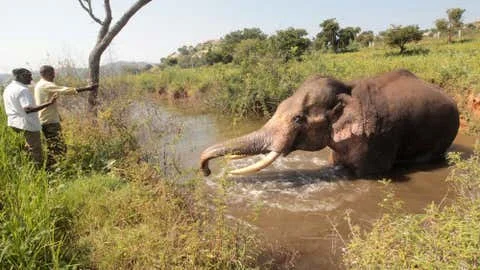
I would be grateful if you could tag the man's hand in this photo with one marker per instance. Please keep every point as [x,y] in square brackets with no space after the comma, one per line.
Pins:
[53,99]
[31,109]
[92,87]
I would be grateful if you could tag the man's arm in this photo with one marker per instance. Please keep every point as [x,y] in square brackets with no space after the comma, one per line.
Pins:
[31,109]
[87,88]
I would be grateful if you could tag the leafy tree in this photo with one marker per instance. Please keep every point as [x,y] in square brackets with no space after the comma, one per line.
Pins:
[214,55]
[335,38]
[365,38]
[346,36]
[290,43]
[105,36]
[452,24]
[250,51]
[169,61]
[236,37]
[441,25]
[327,37]
[186,50]
[227,47]
[454,20]
[398,36]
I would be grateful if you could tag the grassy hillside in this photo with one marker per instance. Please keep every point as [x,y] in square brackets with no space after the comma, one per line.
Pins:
[256,85]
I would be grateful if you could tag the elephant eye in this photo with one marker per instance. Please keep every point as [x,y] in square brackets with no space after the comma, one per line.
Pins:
[299,119]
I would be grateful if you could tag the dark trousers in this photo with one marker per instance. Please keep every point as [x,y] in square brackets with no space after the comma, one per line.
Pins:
[56,147]
[33,145]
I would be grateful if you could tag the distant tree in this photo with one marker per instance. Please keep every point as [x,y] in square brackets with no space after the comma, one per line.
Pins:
[452,24]
[327,37]
[346,36]
[105,36]
[227,47]
[169,61]
[250,51]
[290,43]
[398,36]
[471,26]
[214,55]
[442,25]
[236,37]
[454,20]
[365,38]
[186,50]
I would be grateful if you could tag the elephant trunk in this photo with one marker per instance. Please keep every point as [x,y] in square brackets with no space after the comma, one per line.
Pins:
[250,144]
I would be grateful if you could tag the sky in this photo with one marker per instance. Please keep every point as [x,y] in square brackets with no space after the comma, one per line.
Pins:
[34,33]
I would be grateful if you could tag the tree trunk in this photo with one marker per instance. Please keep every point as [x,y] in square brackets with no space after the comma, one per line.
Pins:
[94,74]
[105,37]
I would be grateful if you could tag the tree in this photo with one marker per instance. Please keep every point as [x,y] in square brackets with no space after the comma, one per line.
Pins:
[236,37]
[232,39]
[454,20]
[441,25]
[290,43]
[105,36]
[346,36]
[365,38]
[452,24]
[250,51]
[327,38]
[398,36]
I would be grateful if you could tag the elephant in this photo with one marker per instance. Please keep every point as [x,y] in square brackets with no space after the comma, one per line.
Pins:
[369,124]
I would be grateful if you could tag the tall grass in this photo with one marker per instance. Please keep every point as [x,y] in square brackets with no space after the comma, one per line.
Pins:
[29,238]
[104,208]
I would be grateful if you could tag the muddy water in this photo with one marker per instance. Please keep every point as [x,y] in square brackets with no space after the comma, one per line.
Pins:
[302,201]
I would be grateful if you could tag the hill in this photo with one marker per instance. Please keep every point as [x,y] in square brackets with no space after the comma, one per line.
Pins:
[4,77]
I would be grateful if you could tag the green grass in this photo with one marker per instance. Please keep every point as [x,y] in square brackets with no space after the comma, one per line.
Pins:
[121,225]
[257,86]
[29,239]
[93,213]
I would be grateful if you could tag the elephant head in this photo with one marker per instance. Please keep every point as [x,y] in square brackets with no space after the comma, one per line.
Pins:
[308,120]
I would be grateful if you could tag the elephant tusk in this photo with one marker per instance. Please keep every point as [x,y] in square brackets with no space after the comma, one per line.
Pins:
[233,157]
[269,159]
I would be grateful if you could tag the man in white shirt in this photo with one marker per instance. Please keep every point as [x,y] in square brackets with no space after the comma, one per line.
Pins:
[22,111]
[49,117]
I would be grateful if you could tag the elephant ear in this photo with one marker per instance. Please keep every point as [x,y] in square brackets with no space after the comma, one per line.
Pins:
[347,118]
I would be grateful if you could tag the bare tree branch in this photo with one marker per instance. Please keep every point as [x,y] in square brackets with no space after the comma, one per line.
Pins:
[106,22]
[122,22]
[89,10]
[105,36]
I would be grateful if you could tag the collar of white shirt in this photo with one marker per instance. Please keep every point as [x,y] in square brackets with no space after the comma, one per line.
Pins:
[20,84]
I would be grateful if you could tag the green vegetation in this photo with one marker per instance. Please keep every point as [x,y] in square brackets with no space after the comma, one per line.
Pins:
[103,208]
[398,36]
[255,83]
[446,236]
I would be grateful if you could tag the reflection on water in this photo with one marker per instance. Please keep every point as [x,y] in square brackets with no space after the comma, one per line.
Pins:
[301,197]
